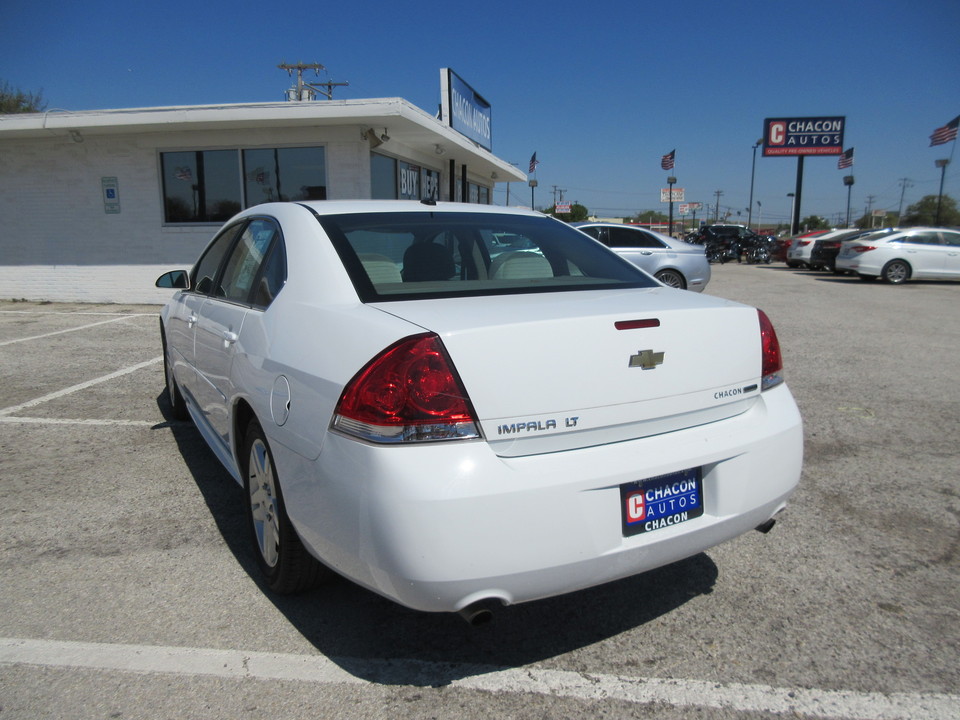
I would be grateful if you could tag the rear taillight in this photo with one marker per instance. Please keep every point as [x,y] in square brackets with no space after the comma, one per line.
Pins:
[803,243]
[863,248]
[772,374]
[408,393]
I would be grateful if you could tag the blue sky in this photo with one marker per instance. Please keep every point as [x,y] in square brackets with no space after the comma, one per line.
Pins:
[599,90]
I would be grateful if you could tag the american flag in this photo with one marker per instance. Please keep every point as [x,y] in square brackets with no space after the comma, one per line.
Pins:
[533,163]
[946,133]
[666,162]
[845,160]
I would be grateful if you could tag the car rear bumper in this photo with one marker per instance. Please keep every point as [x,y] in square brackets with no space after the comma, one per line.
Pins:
[442,526]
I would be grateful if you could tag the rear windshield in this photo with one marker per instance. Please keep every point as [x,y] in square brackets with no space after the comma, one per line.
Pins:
[400,256]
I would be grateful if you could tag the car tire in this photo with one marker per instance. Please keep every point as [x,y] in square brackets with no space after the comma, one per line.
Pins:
[284,562]
[895,272]
[671,278]
[178,408]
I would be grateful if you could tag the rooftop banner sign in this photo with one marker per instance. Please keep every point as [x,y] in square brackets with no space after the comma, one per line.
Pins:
[464,110]
[803,136]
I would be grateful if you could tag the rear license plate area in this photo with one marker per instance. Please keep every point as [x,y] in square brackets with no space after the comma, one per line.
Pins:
[663,501]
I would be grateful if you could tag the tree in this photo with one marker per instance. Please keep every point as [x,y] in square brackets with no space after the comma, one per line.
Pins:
[925,212]
[650,217]
[14,100]
[868,221]
[814,222]
[577,213]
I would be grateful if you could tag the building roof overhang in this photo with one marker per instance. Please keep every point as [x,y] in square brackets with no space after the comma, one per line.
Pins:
[402,121]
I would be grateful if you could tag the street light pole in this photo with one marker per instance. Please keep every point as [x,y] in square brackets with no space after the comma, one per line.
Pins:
[670,183]
[942,164]
[793,200]
[848,181]
[753,172]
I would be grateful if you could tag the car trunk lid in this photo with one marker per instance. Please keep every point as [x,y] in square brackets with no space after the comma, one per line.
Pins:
[557,371]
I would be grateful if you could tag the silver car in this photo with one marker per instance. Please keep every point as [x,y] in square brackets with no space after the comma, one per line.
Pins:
[674,263]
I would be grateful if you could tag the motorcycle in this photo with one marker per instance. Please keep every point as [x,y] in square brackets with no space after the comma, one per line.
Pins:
[758,252]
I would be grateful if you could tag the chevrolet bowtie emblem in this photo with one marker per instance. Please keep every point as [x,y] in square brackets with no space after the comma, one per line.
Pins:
[646,359]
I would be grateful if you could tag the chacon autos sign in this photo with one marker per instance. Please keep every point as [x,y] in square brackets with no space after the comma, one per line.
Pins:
[464,110]
[803,136]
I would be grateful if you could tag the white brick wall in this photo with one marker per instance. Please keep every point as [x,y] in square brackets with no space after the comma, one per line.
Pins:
[85,283]
[57,242]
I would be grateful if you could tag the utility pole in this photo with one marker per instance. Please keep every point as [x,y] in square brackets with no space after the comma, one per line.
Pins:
[716,213]
[556,191]
[869,208]
[904,183]
[305,91]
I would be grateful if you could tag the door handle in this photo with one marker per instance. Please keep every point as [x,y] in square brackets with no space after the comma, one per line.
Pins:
[191,321]
[229,338]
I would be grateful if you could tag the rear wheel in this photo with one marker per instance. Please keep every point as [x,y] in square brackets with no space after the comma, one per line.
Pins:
[895,272]
[284,562]
[671,278]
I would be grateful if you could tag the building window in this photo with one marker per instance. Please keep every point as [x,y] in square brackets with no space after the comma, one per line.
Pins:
[200,186]
[430,184]
[395,179]
[383,177]
[284,174]
[208,186]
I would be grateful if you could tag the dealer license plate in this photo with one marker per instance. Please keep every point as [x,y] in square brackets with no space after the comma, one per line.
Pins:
[664,501]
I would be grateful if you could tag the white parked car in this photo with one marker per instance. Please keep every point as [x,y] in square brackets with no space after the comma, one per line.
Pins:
[800,252]
[914,253]
[461,405]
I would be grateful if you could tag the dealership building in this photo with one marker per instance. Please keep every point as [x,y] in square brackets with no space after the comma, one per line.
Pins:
[96,204]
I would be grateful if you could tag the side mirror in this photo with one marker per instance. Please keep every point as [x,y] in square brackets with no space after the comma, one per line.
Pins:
[174,279]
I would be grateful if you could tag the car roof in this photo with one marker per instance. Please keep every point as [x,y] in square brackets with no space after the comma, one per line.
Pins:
[343,207]
[660,236]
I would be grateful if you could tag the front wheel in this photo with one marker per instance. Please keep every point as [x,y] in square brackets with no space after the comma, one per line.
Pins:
[178,408]
[895,272]
[284,562]
[671,278]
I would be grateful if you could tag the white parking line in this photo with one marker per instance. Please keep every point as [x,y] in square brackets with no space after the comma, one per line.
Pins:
[67,330]
[680,693]
[76,388]
[80,421]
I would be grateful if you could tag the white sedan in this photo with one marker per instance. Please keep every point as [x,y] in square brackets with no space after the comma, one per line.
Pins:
[458,406]
[915,253]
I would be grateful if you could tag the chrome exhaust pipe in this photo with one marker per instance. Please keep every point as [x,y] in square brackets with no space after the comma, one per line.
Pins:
[766,527]
[476,614]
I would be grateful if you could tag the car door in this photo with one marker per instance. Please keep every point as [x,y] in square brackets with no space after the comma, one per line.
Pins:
[182,323]
[221,322]
[951,245]
[638,247]
[925,253]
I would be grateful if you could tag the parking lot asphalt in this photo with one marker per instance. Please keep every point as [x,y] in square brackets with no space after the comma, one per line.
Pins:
[127,589]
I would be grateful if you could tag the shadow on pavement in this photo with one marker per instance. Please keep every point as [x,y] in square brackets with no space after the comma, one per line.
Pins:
[362,632]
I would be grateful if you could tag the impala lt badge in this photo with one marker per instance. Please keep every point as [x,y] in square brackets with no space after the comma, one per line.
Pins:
[646,359]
